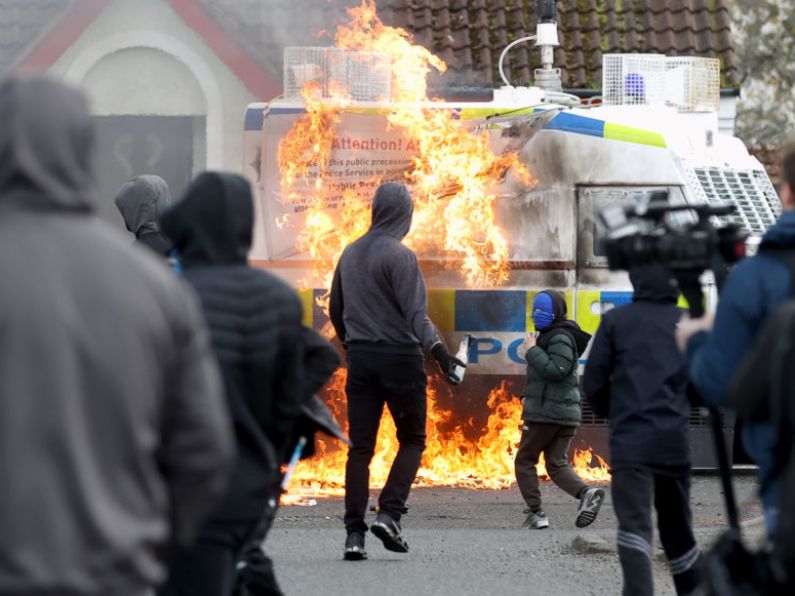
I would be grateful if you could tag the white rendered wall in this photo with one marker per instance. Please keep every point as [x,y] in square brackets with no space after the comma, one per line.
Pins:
[139,57]
[727,115]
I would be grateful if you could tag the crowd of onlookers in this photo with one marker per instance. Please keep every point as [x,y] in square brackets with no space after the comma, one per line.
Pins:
[145,414]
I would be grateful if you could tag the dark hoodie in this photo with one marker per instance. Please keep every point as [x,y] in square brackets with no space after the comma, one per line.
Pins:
[378,297]
[141,201]
[114,440]
[255,325]
[636,376]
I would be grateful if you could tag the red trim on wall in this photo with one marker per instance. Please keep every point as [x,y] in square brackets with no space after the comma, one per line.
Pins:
[63,35]
[253,76]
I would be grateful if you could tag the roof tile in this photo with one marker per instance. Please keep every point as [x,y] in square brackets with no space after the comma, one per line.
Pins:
[468,34]
[23,23]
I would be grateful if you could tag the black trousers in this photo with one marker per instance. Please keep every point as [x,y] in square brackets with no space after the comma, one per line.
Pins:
[210,567]
[255,573]
[399,381]
[634,490]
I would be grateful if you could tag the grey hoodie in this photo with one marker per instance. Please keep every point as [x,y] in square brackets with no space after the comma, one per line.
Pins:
[378,297]
[141,201]
[114,439]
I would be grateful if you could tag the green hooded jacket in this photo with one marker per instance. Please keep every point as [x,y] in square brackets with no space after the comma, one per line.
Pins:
[552,392]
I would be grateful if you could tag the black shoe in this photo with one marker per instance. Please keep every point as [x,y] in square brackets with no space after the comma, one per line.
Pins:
[590,504]
[354,547]
[389,532]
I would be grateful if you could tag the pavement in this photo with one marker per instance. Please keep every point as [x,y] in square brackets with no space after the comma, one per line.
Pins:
[471,542]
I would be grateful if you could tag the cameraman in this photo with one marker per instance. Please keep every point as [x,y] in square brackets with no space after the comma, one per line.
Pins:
[716,345]
[636,377]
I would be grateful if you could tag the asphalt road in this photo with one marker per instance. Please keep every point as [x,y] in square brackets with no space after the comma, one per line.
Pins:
[471,542]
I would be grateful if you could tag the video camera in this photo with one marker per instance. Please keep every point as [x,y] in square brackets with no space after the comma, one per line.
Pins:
[688,245]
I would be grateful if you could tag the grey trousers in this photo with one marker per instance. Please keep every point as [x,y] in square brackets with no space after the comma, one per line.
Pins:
[553,440]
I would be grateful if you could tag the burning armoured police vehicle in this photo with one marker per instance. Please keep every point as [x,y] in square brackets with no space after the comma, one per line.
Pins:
[507,194]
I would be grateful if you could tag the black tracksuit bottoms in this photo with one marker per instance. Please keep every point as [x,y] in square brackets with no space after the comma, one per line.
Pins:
[634,489]
[210,568]
[400,382]
[255,573]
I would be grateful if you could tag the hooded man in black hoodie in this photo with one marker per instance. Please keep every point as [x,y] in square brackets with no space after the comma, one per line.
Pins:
[636,377]
[379,310]
[141,201]
[255,327]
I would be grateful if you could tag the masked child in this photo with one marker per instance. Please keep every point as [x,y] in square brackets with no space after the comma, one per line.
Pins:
[551,411]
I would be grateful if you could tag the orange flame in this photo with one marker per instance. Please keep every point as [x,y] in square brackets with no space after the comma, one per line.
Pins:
[453,173]
[455,179]
[451,457]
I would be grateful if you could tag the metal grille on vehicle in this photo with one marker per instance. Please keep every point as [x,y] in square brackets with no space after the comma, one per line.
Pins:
[589,418]
[749,190]
[697,417]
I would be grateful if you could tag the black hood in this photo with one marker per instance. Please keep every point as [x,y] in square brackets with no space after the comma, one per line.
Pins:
[46,136]
[654,283]
[141,201]
[563,325]
[213,223]
[392,210]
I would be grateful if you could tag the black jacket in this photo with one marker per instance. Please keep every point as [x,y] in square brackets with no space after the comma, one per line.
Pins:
[378,297]
[255,326]
[321,359]
[636,376]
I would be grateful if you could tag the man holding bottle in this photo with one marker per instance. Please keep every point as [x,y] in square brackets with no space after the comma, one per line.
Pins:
[379,312]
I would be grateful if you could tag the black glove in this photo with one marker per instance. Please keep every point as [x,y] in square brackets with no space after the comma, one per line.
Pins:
[447,362]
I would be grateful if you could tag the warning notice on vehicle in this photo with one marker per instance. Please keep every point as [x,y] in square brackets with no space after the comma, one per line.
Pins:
[365,154]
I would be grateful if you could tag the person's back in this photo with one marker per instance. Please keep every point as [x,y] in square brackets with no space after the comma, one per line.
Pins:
[764,391]
[715,349]
[644,397]
[378,306]
[114,440]
[636,377]
[385,296]
[141,201]
[255,325]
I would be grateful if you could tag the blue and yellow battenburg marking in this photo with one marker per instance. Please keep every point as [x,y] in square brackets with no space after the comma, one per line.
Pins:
[575,123]
[563,121]
[484,311]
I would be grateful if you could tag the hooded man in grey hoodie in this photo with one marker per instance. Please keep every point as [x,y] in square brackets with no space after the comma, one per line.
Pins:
[141,201]
[114,437]
[379,308]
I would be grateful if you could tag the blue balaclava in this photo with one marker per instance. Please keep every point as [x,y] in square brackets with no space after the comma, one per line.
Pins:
[543,311]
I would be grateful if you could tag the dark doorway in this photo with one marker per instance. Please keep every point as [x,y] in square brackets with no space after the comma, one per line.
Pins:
[129,146]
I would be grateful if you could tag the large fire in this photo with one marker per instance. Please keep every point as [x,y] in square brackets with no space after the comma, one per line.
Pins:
[453,174]
[452,457]
[455,179]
